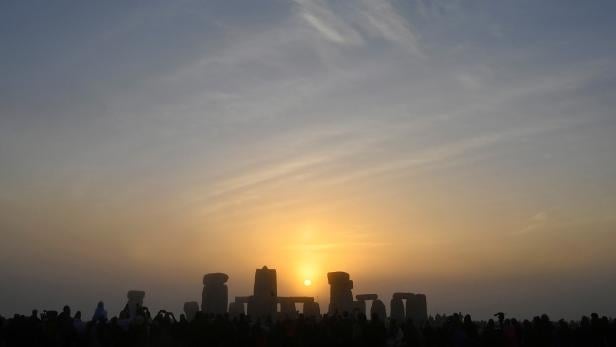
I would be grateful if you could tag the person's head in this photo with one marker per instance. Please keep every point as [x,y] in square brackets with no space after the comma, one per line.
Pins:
[545,318]
[100,305]
[78,315]
[66,309]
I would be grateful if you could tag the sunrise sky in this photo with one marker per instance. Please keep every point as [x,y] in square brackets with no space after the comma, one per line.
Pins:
[461,149]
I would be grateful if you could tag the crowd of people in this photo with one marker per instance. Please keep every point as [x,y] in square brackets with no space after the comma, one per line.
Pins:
[50,328]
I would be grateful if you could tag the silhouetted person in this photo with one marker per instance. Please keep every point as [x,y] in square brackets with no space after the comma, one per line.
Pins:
[66,329]
[376,332]
[100,314]
[51,329]
[490,336]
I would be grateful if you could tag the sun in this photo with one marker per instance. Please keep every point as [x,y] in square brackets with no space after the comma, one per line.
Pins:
[307,282]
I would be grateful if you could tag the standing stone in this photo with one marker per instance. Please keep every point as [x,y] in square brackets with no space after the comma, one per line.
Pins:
[215,295]
[287,308]
[312,310]
[417,308]
[359,308]
[340,295]
[378,309]
[397,309]
[190,309]
[263,302]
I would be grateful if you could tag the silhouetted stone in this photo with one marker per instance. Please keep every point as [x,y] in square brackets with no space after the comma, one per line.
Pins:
[236,309]
[215,278]
[364,297]
[397,309]
[302,299]
[417,308]
[359,307]
[338,277]
[215,294]
[312,309]
[402,296]
[190,309]
[287,308]
[341,297]
[265,283]
[243,299]
[378,308]
[135,301]
[263,301]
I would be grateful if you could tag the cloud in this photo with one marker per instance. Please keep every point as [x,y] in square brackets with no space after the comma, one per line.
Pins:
[329,33]
[356,22]
[537,222]
[334,153]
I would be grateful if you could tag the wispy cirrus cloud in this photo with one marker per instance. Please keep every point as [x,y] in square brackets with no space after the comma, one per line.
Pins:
[230,123]
[538,221]
[353,22]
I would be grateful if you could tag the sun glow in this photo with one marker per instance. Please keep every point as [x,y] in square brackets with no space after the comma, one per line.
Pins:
[307,282]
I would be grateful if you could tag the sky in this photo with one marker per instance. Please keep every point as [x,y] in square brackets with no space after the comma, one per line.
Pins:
[461,149]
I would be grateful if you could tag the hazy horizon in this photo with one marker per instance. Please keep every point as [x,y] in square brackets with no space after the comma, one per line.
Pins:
[461,149]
